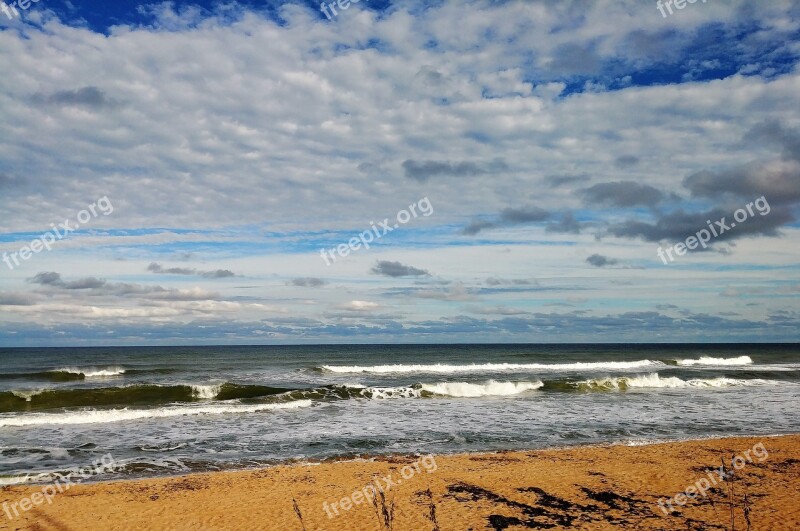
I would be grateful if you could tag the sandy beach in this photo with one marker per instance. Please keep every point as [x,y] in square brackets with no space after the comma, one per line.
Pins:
[595,487]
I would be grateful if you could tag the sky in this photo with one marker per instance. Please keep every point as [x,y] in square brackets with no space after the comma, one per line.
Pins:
[399,172]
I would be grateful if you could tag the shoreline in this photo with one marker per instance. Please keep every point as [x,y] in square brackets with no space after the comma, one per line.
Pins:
[369,458]
[600,486]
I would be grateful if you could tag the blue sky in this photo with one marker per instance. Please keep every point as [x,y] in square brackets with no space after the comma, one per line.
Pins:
[559,145]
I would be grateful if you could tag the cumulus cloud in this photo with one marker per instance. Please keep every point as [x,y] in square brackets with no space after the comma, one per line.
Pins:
[480,106]
[360,306]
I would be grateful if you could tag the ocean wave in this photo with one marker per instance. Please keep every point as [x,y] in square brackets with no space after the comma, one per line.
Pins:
[490,367]
[707,360]
[92,372]
[68,374]
[654,381]
[118,415]
[144,394]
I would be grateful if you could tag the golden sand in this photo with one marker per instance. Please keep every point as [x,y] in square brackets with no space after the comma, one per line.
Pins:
[599,487]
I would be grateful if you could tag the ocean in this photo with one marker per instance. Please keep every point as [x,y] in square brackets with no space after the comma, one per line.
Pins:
[172,410]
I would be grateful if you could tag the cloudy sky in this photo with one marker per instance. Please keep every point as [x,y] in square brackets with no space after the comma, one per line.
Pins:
[549,149]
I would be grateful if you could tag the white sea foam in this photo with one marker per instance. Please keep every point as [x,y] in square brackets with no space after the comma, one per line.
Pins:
[472,390]
[116,415]
[27,394]
[707,360]
[93,372]
[492,367]
[391,392]
[206,392]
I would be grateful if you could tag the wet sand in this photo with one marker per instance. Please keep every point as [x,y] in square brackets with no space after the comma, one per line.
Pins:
[599,487]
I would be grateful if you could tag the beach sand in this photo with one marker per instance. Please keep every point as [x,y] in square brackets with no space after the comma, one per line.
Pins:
[599,487]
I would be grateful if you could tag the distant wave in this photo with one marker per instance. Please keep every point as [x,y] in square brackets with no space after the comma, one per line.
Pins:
[490,367]
[68,374]
[654,381]
[707,360]
[25,400]
[117,415]
[92,372]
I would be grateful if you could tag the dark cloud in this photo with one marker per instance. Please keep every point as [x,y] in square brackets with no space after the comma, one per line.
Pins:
[623,194]
[308,282]
[778,182]
[54,279]
[217,273]
[626,161]
[17,299]
[508,217]
[566,225]
[679,225]
[494,281]
[430,76]
[598,260]
[396,269]
[157,268]
[423,170]
[513,216]
[561,180]
[774,133]
[101,287]
[7,181]
[46,278]
[86,97]
[475,226]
